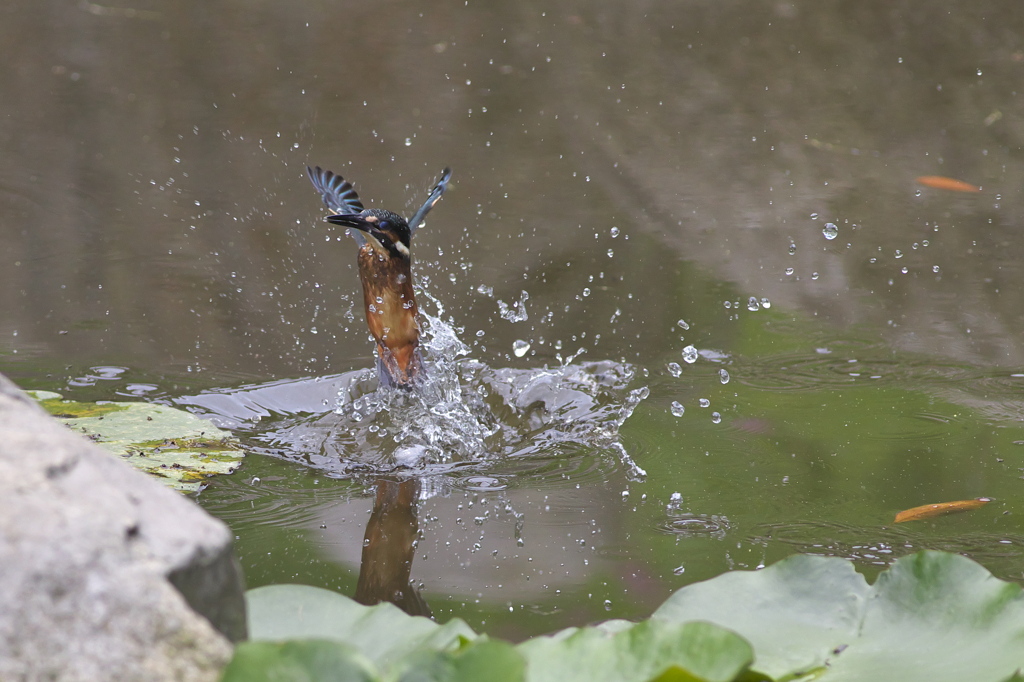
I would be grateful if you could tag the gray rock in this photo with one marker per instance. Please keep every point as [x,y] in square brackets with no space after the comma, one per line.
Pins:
[103,570]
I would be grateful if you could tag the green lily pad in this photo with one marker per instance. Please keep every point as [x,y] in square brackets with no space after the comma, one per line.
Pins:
[382,633]
[412,648]
[175,446]
[302,661]
[482,659]
[624,651]
[931,616]
[796,613]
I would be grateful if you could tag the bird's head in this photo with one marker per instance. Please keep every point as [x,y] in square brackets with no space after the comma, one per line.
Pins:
[388,233]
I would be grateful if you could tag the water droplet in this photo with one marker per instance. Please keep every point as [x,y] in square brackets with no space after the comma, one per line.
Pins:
[682,324]
[752,305]
[723,375]
[485,290]
[674,369]
[614,232]
[905,269]
[408,142]
[586,292]
[814,275]
[520,347]
[677,409]
[789,271]
[716,418]
[792,249]
[679,570]
[898,254]
[935,269]
[607,604]
[690,355]
[830,231]
[765,303]
[704,402]
[515,312]
[611,253]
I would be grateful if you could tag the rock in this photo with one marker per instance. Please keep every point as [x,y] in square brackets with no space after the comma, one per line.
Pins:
[104,572]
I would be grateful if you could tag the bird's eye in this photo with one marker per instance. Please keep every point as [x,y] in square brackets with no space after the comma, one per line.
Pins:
[384,225]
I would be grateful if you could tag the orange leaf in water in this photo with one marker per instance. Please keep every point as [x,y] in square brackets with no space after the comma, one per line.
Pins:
[926,511]
[940,182]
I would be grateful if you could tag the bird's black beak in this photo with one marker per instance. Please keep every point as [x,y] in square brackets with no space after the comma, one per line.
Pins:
[350,220]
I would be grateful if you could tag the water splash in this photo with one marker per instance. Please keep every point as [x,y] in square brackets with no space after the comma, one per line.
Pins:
[464,414]
[516,312]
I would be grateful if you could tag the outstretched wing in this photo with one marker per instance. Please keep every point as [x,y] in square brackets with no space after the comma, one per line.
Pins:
[435,196]
[337,192]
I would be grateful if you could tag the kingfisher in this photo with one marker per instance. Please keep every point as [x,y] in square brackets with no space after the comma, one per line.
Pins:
[385,270]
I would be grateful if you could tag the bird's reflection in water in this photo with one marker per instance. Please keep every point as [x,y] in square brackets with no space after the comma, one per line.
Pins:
[388,547]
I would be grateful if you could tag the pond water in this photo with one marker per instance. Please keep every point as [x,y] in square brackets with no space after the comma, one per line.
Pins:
[693,309]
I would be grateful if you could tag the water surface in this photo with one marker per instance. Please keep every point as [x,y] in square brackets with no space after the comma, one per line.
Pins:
[748,170]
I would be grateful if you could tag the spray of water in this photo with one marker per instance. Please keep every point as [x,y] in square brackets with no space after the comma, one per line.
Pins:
[468,412]
[464,414]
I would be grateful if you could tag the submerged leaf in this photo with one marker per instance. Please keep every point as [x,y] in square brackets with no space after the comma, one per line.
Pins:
[927,511]
[170,444]
[951,184]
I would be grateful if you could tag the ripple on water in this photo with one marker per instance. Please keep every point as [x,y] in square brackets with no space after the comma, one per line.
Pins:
[687,525]
[281,501]
[880,546]
[995,394]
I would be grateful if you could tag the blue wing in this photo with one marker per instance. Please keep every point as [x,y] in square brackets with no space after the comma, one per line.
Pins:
[337,192]
[435,196]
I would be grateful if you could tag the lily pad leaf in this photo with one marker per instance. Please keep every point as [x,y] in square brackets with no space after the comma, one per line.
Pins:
[795,613]
[172,445]
[412,648]
[931,616]
[482,659]
[652,650]
[312,660]
[936,616]
[382,633]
